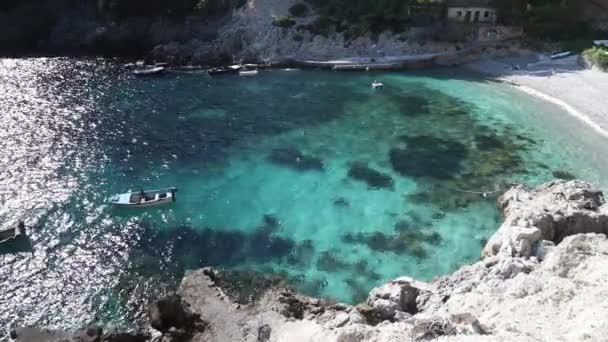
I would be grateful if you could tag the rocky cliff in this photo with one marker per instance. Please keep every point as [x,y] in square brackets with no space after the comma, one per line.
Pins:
[247,33]
[251,35]
[542,277]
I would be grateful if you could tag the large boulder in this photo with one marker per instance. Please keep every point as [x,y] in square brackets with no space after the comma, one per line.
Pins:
[171,312]
[550,212]
[399,295]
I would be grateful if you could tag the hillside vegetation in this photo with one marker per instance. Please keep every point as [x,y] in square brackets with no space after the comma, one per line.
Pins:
[30,24]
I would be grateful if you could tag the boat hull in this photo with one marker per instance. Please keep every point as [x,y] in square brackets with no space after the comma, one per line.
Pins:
[150,198]
[149,72]
[143,205]
[11,234]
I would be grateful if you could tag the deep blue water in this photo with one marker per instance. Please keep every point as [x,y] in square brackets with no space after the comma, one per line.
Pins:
[312,176]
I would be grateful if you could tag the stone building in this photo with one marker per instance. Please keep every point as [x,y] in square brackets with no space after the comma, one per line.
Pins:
[472,11]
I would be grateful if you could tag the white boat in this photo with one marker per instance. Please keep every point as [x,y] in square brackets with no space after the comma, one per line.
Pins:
[142,199]
[377,85]
[562,54]
[248,73]
[603,43]
[148,72]
[12,233]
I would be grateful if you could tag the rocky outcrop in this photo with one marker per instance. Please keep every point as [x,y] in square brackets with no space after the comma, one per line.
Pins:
[534,219]
[251,37]
[172,317]
[547,287]
[397,298]
[88,334]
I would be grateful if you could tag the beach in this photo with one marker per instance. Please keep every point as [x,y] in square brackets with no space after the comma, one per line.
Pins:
[566,83]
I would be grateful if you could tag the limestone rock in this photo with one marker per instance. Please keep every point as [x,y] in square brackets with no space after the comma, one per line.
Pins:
[550,212]
[397,295]
[172,313]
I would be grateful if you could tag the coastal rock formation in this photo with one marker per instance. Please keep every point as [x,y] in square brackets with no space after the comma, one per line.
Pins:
[88,334]
[542,278]
[550,212]
[549,288]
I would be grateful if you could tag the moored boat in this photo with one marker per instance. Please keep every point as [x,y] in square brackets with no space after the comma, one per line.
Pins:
[12,233]
[377,85]
[562,54]
[248,73]
[149,72]
[142,199]
[222,71]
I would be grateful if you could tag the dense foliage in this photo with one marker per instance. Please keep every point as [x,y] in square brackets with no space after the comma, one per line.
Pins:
[283,21]
[369,16]
[298,10]
[129,8]
[554,20]
[597,56]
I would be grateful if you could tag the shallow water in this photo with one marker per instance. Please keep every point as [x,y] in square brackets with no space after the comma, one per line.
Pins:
[310,175]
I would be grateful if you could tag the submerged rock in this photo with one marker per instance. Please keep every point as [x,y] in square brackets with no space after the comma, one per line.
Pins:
[486,142]
[374,179]
[564,175]
[341,202]
[427,156]
[330,263]
[406,240]
[293,158]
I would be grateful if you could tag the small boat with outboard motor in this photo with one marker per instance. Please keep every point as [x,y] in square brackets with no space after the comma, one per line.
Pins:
[143,199]
[149,72]
[12,233]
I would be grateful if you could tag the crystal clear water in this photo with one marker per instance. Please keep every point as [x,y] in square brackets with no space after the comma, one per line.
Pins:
[310,175]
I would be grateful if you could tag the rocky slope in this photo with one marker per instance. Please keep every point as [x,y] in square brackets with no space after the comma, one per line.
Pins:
[250,36]
[541,278]
[246,34]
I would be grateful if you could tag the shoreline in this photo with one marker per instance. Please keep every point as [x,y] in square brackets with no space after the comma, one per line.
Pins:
[564,83]
[564,105]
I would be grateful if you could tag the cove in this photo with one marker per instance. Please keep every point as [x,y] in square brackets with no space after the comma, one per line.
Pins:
[310,176]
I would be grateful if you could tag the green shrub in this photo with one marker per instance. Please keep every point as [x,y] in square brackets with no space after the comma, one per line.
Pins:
[371,16]
[298,10]
[283,21]
[597,56]
[321,26]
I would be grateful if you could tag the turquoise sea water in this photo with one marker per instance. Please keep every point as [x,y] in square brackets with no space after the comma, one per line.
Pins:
[310,175]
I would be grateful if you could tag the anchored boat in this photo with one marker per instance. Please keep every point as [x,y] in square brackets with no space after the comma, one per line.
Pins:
[248,73]
[149,72]
[143,199]
[12,233]
[562,54]
[377,85]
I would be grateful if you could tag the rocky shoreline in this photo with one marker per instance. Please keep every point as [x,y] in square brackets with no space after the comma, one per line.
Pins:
[541,278]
